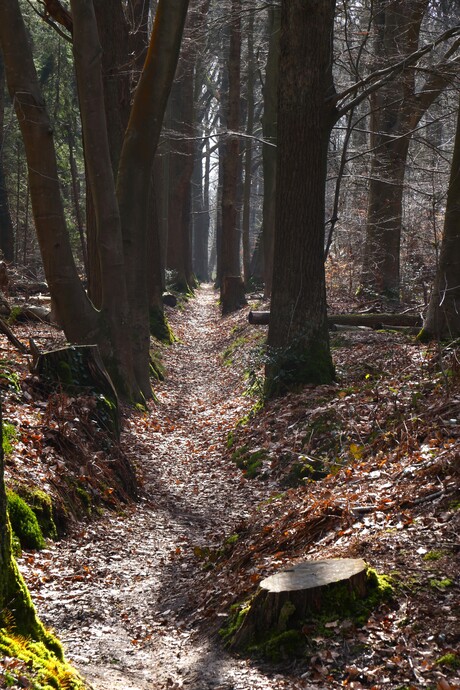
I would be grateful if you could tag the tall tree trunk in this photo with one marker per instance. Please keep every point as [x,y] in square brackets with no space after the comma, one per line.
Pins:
[99,165]
[61,273]
[179,255]
[232,287]
[248,151]
[114,39]
[298,337]
[6,224]
[200,218]
[443,315]
[397,108]
[269,153]
[136,165]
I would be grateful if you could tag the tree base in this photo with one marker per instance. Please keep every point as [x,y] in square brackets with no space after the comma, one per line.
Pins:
[232,294]
[79,370]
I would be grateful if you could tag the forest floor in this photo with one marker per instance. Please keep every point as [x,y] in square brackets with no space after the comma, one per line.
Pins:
[229,492]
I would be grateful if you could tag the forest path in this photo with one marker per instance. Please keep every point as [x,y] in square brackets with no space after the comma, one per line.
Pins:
[117,593]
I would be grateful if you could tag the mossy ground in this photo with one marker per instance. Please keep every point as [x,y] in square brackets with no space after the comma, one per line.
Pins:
[33,665]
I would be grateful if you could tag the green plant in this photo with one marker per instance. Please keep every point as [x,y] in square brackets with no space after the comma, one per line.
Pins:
[42,506]
[433,556]
[24,522]
[9,437]
[8,377]
[451,660]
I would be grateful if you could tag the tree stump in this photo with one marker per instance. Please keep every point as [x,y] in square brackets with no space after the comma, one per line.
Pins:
[79,370]
[291,597]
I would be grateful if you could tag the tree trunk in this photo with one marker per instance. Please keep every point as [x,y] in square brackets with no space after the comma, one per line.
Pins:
[6,224]
[298,337]
[231,290]
[443,316]
[99,166]
[200,217]
[59,265]
[397,108]
[179,255]
[136,164]
[378,321]
[248,152]
[269,152]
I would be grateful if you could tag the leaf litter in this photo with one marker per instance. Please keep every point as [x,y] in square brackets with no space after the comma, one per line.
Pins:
[366,467]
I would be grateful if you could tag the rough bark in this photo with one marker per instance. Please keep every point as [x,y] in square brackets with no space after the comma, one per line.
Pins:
[6,224]
[179,254]
[248,151]
[99,166]
[298,337]
[230,293]
[269,152]
[443,315]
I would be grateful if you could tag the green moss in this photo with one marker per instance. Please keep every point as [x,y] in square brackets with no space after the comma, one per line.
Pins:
[249,461]
[159,326]
[451,660]
[433,556]
[8,377]
[238,613]
[42,506]
[289,644]
[306,470]
[14,314]
[157,370]
[9,437]
[37,667]
[229,352]
[441,584]
[232,539]
[24,522]
[85,499]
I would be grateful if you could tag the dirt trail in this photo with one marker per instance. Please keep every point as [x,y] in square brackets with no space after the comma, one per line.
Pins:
[117,593]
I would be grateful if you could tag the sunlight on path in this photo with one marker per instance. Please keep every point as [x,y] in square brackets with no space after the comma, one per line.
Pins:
[118,592]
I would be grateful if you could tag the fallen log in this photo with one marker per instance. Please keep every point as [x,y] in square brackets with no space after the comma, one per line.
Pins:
[375,321]
[288,599]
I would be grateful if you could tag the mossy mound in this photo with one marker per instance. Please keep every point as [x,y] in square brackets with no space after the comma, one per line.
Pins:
[42,506]
[34,665]
[24,522]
